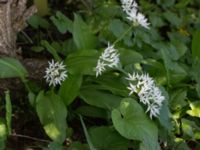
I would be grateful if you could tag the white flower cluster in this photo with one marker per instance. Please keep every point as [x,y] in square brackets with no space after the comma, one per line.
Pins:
[131,9]
[149,94]
[55,73]
[109,58]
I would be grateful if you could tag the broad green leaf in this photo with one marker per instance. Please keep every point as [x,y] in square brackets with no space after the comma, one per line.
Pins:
[116,26]
[166,3]
[128,56]
[82,62]
[178,99]
[108,10]
[11,67]
[91,111]
[3,134]
[70,88]
[173,18]
[77,146]
[196,45]
[82,34]
[197,136]
[189,127]
[195,109]
[156,69]
[181,146]
[100,98]
[52,114]
[131,122]
[36,21]
[175,72]
[113,83]
[196,73]
[62,23]
[8,112]
[106,138]
[165,115]
[181,48]
[156,20]
[54,146]
[182,3]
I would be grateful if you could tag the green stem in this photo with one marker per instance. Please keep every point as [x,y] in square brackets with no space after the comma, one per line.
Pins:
[122,36]
[91,146]
[122,70]
[26,85]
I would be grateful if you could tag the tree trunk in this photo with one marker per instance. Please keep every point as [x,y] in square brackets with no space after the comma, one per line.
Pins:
[13,17]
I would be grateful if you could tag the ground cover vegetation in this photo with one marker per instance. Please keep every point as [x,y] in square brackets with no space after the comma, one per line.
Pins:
[118,75]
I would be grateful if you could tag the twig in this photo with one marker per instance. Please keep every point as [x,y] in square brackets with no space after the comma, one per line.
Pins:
[29,137]
[86,5]
[27,37]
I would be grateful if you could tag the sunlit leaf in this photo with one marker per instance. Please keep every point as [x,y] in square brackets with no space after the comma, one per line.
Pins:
[195,109]
[3,134]
[52,114]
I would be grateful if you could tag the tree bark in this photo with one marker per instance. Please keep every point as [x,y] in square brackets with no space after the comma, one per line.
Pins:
[13,17]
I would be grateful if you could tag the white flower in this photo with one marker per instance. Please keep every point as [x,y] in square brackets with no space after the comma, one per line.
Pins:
[132,77]
[138,19]
[132,88]
[154,110]
[55,73]
[131,9]
[128,5]
[109,58]
[149,94]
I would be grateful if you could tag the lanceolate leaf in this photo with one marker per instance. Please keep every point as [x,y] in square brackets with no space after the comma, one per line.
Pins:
[3,134]
[8,112]
[82,35]
[82,62]
[100,98]
[62,23]
[131,122]
[52,114]
[10,67]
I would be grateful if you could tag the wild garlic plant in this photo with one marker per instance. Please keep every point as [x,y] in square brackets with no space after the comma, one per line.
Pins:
[149,94]
[108,59]
[130,7]
[104,67]
[56,72]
